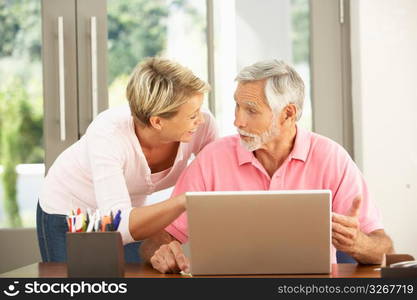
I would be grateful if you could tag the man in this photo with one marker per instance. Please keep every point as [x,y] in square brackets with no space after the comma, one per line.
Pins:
[272,153]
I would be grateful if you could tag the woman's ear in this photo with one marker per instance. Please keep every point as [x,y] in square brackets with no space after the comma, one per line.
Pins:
[156,122]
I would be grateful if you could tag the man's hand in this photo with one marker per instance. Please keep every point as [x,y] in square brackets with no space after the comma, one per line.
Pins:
[170,258]
[346,235]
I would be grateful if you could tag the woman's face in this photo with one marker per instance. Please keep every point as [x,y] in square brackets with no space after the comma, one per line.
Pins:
[184,124]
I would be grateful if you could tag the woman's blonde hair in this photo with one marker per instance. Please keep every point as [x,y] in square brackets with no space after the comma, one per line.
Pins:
[159,86]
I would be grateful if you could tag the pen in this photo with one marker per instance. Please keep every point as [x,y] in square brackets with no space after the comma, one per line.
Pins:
[80,222]
[97,222]
[109,227]
[88,216]
[116,220]
[68,223]
[104,222]
[72,219]
[90,226]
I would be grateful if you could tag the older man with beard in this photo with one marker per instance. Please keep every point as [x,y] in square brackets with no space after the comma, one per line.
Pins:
[272,153]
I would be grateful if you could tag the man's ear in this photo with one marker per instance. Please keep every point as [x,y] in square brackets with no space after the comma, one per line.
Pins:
[156,122]
[290,112]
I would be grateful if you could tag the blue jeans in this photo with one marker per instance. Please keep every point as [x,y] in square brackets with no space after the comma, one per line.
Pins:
[52,230]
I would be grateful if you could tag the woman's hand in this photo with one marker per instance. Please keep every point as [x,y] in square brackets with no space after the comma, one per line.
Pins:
[147,220]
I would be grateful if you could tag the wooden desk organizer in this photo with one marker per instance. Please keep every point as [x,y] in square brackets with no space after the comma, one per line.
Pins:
[387,272]
[95,254]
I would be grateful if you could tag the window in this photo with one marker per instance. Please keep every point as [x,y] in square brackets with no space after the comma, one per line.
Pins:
[142,28]
[21,110]
[246,32]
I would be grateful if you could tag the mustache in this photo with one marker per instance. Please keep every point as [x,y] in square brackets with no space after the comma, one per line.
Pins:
[242,132]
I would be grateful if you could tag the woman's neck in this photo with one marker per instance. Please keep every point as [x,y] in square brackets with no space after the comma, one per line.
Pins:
[148,137]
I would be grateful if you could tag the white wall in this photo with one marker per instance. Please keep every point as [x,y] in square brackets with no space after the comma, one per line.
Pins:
[245,32]
[225,67]
[384,71]
[263,31]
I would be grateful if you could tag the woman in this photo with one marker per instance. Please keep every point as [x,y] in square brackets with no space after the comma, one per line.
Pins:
[126,154]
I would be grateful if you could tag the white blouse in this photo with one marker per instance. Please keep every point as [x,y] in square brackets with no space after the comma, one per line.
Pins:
[107,170]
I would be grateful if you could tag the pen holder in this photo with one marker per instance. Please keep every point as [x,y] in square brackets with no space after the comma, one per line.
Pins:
[95,254]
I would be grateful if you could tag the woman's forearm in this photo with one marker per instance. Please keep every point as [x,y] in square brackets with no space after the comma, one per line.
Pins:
[148,220]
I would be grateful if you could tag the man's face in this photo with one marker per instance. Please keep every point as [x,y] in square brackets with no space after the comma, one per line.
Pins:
[254,119]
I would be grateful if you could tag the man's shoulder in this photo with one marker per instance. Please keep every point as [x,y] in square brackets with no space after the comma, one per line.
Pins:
[319,140]
[222,145]
[324,146]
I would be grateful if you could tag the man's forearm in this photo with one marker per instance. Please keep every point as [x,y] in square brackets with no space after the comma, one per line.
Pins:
[372,247]
[150,245]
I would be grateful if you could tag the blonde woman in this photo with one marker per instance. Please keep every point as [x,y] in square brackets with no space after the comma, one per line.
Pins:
[127,153]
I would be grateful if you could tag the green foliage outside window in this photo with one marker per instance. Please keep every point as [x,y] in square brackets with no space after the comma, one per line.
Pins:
[20,97]
[136,29]
[21,133]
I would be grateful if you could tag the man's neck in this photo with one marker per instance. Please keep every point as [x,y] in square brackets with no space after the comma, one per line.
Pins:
[273,154]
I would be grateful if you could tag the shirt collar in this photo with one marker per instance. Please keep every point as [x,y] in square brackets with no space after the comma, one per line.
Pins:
[243,156]
[299,151]
[301,145]
[180,151]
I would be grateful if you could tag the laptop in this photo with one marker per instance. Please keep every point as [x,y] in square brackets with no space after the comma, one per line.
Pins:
[259,232]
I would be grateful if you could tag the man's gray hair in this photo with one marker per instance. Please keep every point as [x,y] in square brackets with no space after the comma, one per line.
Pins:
[283,85]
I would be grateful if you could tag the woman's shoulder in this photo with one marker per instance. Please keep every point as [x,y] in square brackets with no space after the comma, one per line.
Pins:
[111,120]
[205,134]
[208,117]
[209,126]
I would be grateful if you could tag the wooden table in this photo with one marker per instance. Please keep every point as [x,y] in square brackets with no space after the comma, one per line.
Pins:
[138,270]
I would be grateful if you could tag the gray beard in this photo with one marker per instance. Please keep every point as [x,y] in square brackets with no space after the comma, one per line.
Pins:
[258,140]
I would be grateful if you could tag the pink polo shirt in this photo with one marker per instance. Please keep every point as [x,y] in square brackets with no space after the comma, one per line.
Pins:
[315,162]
